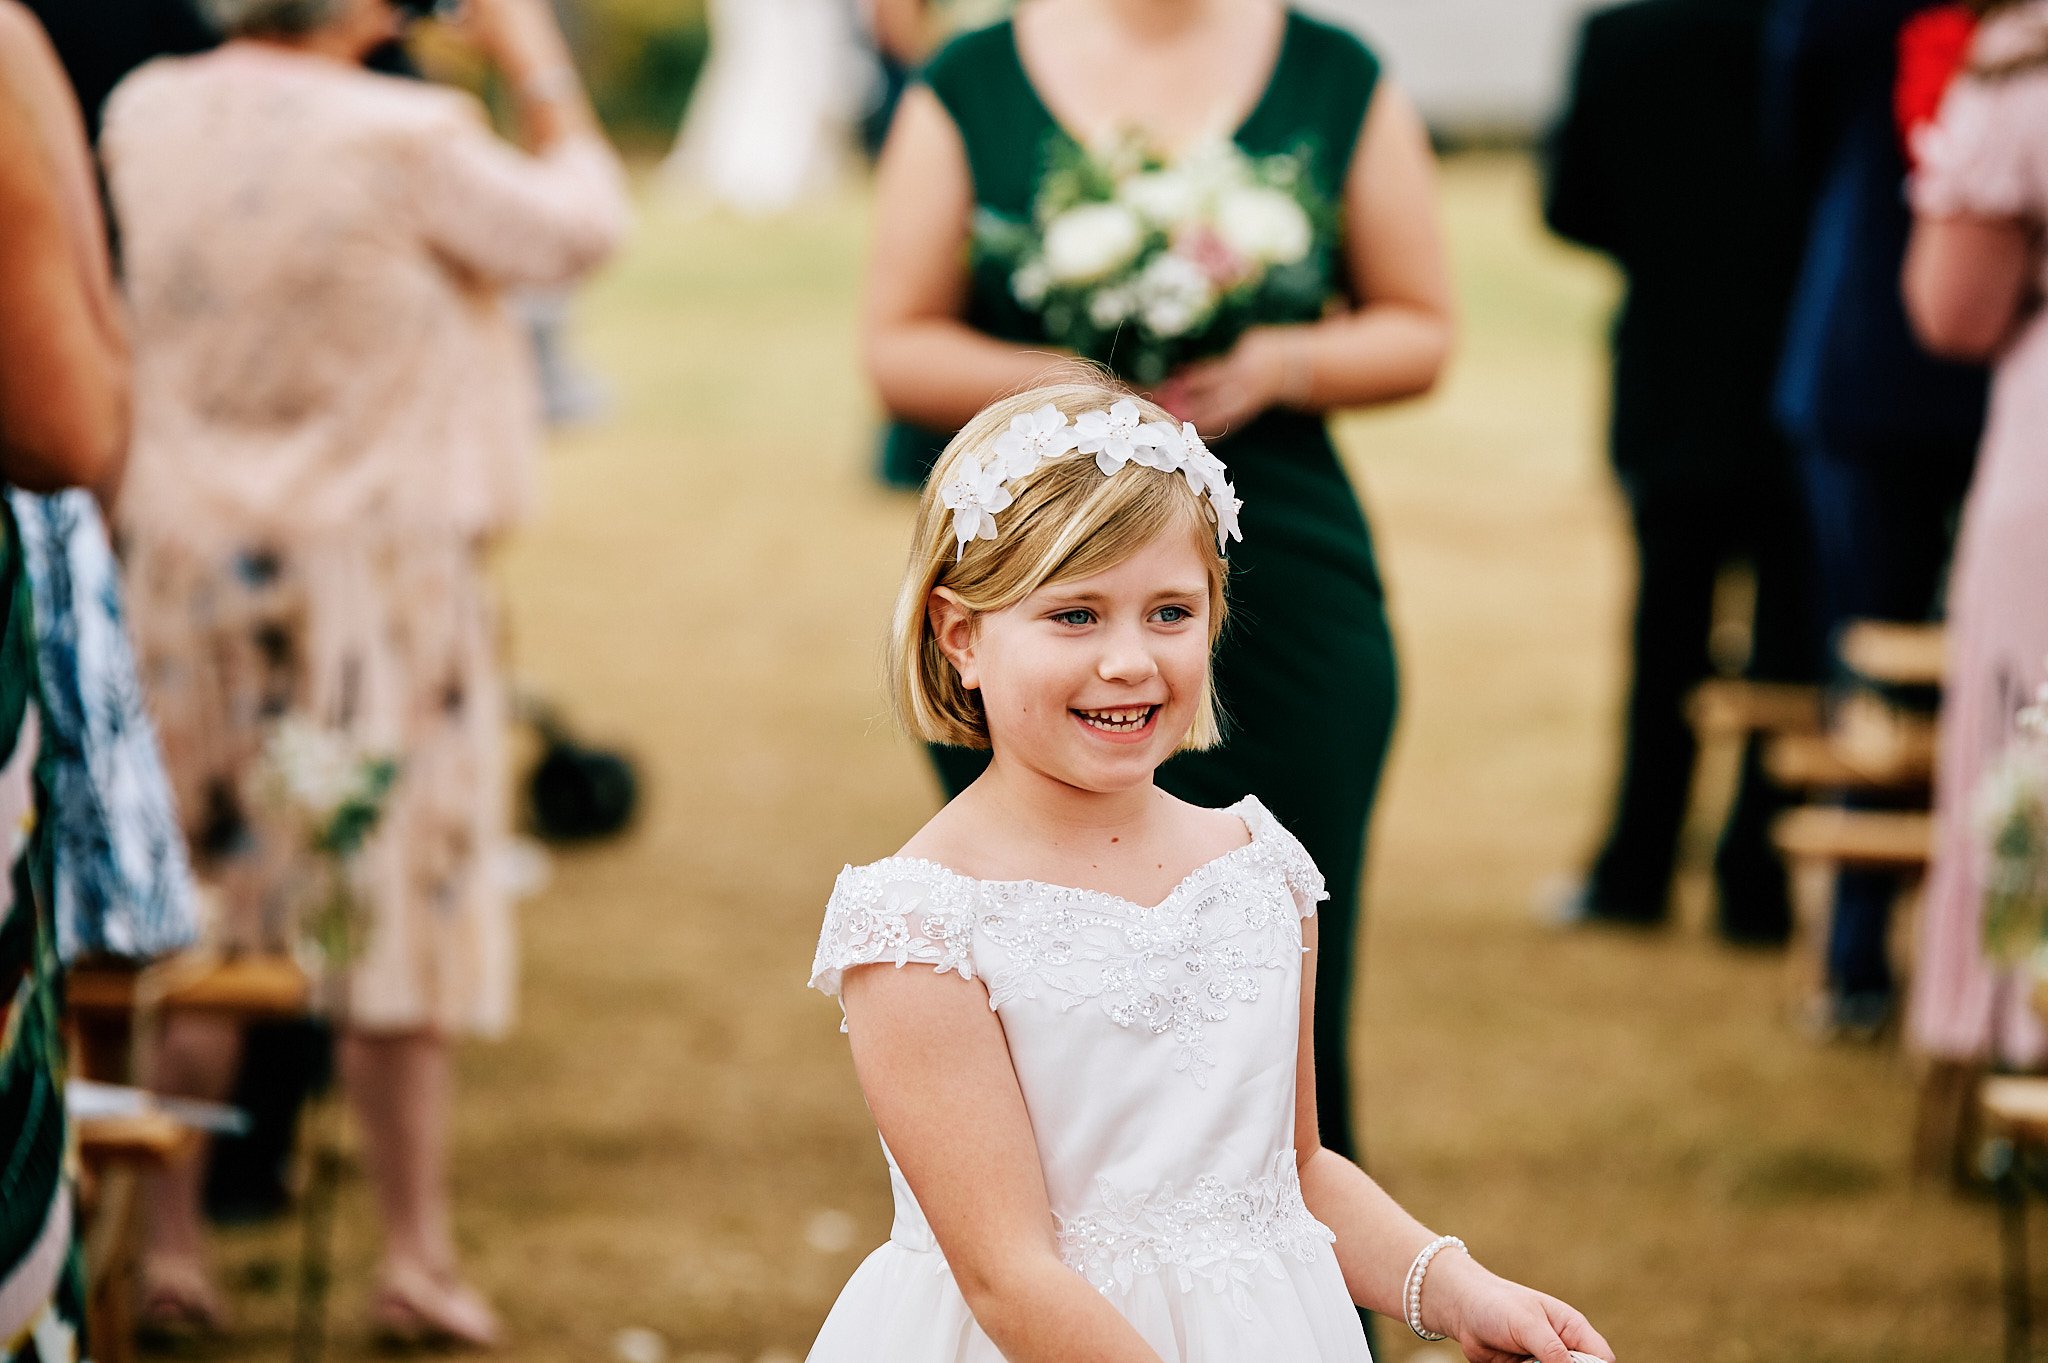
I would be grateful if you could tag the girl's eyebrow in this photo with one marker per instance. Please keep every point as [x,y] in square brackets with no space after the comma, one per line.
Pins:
[1093,598]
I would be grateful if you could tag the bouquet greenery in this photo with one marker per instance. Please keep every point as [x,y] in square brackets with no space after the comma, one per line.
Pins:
[2012,816]
[1145,265]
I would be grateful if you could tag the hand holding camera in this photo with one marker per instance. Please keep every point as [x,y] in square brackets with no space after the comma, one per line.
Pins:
[524,42]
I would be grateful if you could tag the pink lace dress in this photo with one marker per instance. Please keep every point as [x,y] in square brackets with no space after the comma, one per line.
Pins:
[334,414]
[1987,157]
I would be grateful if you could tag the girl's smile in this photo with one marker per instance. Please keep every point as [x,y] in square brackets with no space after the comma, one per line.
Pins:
[1125,725]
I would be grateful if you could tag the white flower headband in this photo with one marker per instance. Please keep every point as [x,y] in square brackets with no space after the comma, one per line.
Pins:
[1116,437]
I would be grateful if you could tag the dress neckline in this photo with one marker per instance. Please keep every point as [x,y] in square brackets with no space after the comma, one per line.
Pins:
[1248,811]
[1290,23]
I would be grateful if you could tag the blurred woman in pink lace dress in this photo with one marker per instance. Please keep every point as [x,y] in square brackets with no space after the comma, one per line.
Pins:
[335,416]
[1974,278]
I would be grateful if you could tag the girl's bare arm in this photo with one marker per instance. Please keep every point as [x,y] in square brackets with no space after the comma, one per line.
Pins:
[936,1070]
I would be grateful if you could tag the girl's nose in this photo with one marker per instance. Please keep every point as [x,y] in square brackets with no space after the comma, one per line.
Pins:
[1125,658]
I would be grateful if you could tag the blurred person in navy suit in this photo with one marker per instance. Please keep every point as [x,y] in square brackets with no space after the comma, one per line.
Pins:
[1659,162]
[1886,433]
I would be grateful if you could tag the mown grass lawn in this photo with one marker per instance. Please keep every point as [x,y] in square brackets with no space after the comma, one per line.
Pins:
[673,1140]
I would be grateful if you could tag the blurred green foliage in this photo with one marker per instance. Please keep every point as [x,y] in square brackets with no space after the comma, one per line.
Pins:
[641,58]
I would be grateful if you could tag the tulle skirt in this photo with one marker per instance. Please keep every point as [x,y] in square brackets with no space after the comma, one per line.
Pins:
[902,1306]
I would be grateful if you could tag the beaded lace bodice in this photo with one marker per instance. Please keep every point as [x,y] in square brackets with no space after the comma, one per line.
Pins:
[1155,1046]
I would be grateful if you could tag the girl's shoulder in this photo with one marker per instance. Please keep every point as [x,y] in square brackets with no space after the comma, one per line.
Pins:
[1278,851]
[898,910]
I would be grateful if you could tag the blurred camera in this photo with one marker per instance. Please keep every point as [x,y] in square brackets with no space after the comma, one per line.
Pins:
[426,9]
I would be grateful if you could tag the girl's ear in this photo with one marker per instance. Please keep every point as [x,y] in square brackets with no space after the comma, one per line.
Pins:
[952,627]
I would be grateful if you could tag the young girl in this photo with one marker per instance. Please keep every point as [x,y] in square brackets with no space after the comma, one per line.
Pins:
[1099,1107]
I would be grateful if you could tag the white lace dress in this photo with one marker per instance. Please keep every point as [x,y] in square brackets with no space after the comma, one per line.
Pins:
[1156,1050]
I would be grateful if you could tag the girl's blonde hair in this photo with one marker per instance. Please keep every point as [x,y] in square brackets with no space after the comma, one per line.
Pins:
[1067,521]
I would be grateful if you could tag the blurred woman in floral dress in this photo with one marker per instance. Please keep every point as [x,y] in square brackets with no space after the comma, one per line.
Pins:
[335,417]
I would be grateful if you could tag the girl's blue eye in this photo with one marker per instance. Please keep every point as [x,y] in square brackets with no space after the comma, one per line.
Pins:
[1173,615]
[1077,616]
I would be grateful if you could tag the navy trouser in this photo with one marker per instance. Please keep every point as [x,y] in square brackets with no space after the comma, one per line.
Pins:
[1883,524]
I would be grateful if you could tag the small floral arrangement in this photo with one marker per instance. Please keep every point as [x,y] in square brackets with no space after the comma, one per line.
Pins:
[337,797]
[1145,265]
[2012,817]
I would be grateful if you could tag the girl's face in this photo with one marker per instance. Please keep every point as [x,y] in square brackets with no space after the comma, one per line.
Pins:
[1095,682]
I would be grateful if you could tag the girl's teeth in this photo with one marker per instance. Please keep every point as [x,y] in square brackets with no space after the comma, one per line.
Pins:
[1117,721]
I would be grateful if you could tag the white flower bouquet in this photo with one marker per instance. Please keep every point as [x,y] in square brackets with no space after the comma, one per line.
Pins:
[2012,818]
[336,797]
[1145,265]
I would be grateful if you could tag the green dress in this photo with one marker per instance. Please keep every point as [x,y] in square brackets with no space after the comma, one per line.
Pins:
[1305,669]
[42,1285]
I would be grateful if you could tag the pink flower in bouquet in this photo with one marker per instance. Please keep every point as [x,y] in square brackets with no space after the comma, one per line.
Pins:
[1201,244]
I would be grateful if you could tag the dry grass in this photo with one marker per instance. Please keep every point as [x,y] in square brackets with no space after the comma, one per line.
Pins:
[1629,1121]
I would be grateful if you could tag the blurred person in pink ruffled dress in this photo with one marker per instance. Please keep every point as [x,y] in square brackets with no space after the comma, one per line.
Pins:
[1974,279]
[335,416]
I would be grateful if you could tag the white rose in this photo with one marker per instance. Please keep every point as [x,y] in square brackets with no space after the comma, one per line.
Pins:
[1214,166]
[1109,307]
[1030,283]
[316,770]
[1265,225]
[1174,295]
[1086,243]
[1161,197]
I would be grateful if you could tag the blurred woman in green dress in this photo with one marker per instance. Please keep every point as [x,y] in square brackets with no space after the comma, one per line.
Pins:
[1306,670]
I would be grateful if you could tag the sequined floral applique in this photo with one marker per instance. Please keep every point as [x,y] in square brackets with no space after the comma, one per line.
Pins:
[1209,1233]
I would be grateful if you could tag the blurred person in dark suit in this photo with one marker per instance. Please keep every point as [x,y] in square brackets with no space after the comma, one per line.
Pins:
[1886,433]
[1659,162]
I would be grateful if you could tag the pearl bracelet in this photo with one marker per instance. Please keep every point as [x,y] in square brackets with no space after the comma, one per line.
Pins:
[1411,1291]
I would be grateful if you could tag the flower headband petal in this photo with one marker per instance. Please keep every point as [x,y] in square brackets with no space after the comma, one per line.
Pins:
[1116,437]
[1224,505]
[1111,436]
[975,494]
[1204,471]
[1033,438]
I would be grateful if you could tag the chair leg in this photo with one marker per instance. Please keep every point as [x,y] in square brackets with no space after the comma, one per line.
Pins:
[2012,1216]
[110,1266]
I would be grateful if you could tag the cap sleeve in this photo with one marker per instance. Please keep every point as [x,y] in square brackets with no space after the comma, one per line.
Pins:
[1986,155]
[898,911]
[1285,854]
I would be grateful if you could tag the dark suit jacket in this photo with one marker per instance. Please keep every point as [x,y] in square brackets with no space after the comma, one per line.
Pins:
[1854,381]
[100,41]
[1659,161]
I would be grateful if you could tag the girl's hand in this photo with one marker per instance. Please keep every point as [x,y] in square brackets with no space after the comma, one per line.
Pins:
[1497,1321]
[1225,393]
